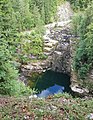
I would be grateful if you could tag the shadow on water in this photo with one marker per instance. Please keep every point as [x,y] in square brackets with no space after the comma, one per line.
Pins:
[49,83]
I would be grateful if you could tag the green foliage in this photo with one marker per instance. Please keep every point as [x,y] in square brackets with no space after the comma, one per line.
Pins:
[64,95]
[15,88]
[36,44]
[9,84]
[88,84]
[83,60]
[30,13]
[60,2]
[79,4]
[31,45]
[76,23]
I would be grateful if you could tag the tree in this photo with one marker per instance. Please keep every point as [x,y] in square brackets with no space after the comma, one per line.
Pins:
[84,55]
[9,84]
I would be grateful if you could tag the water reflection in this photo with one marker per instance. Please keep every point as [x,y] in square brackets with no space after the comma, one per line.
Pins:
[49,83]
[51,91]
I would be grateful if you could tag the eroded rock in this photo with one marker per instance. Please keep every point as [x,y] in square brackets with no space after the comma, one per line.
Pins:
[79,90]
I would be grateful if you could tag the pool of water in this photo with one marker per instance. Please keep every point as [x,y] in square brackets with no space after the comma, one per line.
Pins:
[49,83]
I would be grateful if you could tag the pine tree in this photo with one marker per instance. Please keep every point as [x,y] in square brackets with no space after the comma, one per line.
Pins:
[7,71]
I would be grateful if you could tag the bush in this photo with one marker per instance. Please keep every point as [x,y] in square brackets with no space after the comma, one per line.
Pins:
[80,4]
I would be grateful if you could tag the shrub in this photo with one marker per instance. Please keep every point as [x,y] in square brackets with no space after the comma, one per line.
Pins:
[80,4]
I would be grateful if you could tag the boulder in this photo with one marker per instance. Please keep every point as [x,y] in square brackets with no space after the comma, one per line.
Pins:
[79,91]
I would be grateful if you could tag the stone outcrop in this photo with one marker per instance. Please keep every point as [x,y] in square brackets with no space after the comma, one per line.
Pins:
[60,57]
[56,48]
[39,67]
[79,91]
[64,12]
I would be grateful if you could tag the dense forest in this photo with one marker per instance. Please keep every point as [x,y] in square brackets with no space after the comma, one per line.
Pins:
[23,15]
[83,27]
[15,17]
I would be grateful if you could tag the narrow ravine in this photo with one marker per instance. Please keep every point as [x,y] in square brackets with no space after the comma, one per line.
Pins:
[57,49]
[56,36]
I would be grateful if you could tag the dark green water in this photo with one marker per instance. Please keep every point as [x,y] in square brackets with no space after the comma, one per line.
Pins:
[50,81]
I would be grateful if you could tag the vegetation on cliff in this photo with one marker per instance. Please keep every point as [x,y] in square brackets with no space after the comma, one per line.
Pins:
[17,16]
[83,28]
[79,4]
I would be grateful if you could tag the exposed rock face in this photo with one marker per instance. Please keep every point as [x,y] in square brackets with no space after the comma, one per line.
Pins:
[57,48]
[60,57]
[64,12]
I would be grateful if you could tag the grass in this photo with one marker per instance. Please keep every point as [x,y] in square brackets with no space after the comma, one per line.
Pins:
[58,107]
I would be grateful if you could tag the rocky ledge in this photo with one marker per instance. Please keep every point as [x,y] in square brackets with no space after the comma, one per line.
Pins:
[57,50]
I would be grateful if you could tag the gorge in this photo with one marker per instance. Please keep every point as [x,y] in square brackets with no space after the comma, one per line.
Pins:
[46,59]
[59,47]
[58,42]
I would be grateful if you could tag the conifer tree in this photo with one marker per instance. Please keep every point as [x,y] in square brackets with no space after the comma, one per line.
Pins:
[7,71]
